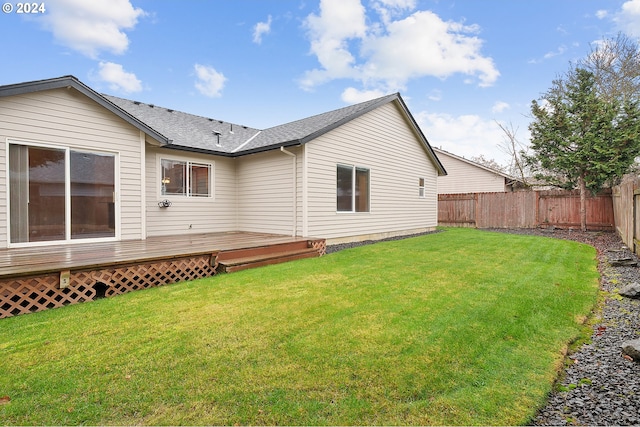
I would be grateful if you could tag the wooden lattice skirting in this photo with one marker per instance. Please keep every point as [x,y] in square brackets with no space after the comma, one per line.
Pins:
[36,293]
[319,245]
[21,295]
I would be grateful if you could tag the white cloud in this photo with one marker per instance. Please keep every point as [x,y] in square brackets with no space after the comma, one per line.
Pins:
[435,95]
[260,29]
[425,45]
[93,26]
[628,18]
[387,9]
[466,135]
[386,54]
[499,107]
[210,82]
[562,49]
[397,4]
[329,32]
[545,105]
[601,14]
[354,96]
[118,78]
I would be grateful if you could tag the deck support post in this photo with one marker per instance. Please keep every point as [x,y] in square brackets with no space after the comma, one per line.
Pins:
[65,279]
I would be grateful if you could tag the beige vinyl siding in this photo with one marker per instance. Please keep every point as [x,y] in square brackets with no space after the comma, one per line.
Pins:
[4,216]
[463,177]
[383,142]
[266,192]
[191,214]
[64,117]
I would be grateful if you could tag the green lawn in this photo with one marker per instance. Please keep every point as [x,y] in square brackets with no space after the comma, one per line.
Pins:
[458,327]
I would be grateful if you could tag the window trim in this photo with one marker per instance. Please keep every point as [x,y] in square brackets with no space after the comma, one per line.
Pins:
[188,164]
[422,188]
[354,173]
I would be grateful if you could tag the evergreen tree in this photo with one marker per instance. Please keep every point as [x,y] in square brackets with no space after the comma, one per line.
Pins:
[581,140]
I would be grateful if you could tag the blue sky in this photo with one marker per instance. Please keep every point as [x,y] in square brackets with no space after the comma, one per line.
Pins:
[460,65]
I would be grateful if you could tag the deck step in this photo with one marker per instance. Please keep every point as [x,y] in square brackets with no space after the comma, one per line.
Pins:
[263,250]
[242,259]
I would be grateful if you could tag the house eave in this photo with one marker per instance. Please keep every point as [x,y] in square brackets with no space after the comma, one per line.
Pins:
[71,82]
[431,153]
[199,150]
[293,143]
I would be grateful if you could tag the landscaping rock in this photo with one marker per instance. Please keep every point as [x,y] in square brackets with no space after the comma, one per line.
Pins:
[623,262]
[621,258]
[632,349]
[631,291]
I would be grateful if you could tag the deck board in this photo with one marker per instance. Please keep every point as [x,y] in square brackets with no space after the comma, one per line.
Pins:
[44,259]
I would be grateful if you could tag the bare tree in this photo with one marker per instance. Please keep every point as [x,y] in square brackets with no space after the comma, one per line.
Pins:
[514,149]
[490,163]
[615,65]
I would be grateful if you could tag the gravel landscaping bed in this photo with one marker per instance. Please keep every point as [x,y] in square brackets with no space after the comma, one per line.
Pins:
[600,386]
[341,246]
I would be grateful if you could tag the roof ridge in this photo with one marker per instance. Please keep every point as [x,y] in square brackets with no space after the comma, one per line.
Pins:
[369,102]
[239,147]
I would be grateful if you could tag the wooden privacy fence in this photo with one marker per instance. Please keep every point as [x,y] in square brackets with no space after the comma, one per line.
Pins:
[626,208]
[525,209]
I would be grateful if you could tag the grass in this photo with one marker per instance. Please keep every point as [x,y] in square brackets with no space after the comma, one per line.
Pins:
[462,327]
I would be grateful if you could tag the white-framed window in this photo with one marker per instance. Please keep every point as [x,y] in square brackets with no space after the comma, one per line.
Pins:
[352,189]
[60,193]
[185,178]
[421,188]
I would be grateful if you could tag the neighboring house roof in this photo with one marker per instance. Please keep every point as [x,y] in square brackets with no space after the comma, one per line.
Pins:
[478,165]
[183,131]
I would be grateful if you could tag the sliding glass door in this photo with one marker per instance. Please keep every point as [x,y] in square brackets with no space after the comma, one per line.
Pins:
[59,194]
[92,195]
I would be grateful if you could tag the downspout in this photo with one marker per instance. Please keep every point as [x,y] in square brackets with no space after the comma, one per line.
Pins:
[143,192]
[295,189]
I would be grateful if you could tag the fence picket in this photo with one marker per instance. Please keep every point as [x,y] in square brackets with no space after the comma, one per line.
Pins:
[525,209]
[626,207]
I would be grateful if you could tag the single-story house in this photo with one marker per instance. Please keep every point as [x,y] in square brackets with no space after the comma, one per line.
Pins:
[466,176]
[79,166]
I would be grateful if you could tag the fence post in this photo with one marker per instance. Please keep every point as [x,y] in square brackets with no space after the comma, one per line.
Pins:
[633,223]
[537,218]
[477,209]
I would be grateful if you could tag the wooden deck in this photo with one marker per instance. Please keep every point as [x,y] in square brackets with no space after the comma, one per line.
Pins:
[46,259]
[39,278]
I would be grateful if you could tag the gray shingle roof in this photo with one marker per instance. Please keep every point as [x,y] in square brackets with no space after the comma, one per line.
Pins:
[197,133]
[183,131]
[304,130]
[188,131]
